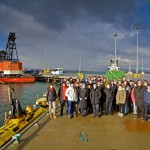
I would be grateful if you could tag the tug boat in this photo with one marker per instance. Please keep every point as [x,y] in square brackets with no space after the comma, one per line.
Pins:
[10,66]
[20,119]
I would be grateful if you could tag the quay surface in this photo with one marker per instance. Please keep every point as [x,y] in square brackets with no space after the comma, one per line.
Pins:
[105,133]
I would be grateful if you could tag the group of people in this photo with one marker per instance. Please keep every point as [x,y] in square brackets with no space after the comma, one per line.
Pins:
[101,97]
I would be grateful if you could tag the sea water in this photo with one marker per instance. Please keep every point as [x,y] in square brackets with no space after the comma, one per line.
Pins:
[27,93]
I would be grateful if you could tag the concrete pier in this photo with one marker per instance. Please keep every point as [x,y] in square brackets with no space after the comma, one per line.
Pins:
[105,133]
[54,78]
[57,78]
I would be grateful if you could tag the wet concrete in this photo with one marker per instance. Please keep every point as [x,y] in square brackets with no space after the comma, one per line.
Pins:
[135,125]
[105,133]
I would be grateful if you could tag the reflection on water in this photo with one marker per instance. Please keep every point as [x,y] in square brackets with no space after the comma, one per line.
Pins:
[27,94]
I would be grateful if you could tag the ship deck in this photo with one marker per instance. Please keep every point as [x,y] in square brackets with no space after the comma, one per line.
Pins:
[105,133]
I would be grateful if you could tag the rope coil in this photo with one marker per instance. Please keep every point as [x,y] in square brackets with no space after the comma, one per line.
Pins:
[82,136]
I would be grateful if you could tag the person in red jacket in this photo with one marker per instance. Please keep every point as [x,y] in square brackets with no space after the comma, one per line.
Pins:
[62,97]
[133,100]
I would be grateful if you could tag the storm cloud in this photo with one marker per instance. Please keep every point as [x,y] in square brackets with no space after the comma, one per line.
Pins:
[56,33]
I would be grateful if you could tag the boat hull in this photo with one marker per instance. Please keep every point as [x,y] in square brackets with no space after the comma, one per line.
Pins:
[115,74]
[17,80]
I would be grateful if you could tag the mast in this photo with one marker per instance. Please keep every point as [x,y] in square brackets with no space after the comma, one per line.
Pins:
[129,63]
[80,65]
[11,50]
[45,58]
[115,36]
[137,59]
[142,62]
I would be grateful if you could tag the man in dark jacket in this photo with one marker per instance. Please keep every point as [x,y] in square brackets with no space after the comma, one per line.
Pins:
[147,102]
[83,99]
[101,89]
[77,92]
[114,93]
[95,95]
[89,105]
[139,98]
[109,98]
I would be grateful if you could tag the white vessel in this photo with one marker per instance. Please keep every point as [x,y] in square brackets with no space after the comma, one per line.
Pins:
[113,65]
[57,71]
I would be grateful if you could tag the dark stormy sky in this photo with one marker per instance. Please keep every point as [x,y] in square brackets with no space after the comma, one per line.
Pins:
[55,33]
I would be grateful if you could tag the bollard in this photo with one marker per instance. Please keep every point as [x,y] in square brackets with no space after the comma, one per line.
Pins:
[16,137]
[36,124]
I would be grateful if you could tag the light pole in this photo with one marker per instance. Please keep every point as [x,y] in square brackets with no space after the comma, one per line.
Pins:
[137,59]
[115,36]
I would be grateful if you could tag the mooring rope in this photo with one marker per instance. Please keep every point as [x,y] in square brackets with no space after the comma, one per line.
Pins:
[82,136]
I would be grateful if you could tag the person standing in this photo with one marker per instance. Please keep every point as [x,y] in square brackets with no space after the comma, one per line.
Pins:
[114,93]
[139,99]
[100,87]
[103,98]
[62,97]
[147,102]
[120,100]
[51,98]
[133,100]
[109,99]
[77,92]
[89,105]
[71,96]
[83,100]
[95,96]
[128,97]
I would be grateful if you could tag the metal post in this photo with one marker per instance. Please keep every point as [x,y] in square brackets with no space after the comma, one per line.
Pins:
[137,59]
